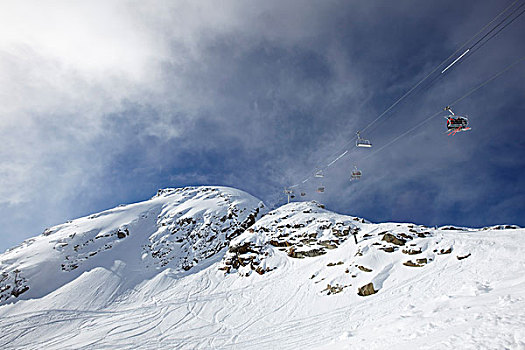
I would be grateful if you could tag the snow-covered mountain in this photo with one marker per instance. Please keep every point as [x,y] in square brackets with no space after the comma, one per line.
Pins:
[209,267]
[179,227]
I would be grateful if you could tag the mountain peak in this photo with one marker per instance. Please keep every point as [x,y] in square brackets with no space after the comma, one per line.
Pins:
[177,228]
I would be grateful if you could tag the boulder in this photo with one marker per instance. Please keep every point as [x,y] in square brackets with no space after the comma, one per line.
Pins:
[463,257]
[443,251]
[412,251]
[362,268]
[328,244]
[390,238]
[367,289]
[389,249]
[122,233]
[418,263]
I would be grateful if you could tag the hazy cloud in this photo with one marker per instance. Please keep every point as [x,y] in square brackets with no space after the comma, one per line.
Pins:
[103,102]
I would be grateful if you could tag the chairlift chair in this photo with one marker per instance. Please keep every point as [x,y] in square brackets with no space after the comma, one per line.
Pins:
[320,189]
[360,142]
[456,123]
[319,173]
[356,174]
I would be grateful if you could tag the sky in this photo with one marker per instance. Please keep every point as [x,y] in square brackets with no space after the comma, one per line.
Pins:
[104,102]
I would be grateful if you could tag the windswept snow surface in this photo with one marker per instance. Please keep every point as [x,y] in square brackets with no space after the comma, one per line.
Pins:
[463,288]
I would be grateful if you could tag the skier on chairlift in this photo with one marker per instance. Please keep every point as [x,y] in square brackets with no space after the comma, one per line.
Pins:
[455,123]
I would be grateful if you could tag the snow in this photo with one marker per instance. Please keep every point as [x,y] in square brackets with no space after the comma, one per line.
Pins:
[123,297]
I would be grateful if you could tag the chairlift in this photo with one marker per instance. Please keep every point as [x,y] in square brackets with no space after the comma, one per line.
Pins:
[289,193]
[320,189]
[319,173]
[356,174]
[456,123]
[360,142]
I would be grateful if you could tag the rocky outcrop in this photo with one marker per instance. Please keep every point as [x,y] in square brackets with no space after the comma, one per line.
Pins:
[418,263]
[178,227]
[12,285]
[390,238]
[412,251]
[367,289]
[445,251]
[362,268]
[301,230]
[200,237]
[334,289]
[389,249]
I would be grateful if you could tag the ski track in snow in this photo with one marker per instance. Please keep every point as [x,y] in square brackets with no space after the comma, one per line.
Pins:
[474,303]
[475,312]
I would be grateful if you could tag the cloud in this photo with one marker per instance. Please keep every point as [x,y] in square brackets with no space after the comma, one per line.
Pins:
[103,102]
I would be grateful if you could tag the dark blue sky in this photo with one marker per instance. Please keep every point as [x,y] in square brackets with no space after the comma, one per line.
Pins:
[105,103]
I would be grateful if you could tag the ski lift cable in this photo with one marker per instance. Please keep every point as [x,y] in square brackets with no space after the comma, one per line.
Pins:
[496,33]
[439,65]
[473,48]
[469,49]
[500,23]
[336,159]
[322,168]
[442,63]
[470,92]
[428,75]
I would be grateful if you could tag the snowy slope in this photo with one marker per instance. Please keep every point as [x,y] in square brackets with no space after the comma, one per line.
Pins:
[292,280]
[179,227]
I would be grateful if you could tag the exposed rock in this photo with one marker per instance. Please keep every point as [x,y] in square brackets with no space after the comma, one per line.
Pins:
[390,238]
[418,263]
[501,227]
[293,253]
[122,233]
[367,289]
[404,235]
[443,251]
[226,268]
[17,291]
[334,264]
[463,257]
[412,251]
[334,289]
[240,248]
[389,249]
[328,244]
[342,233]
[47,232]
[362,268]
[451,228]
